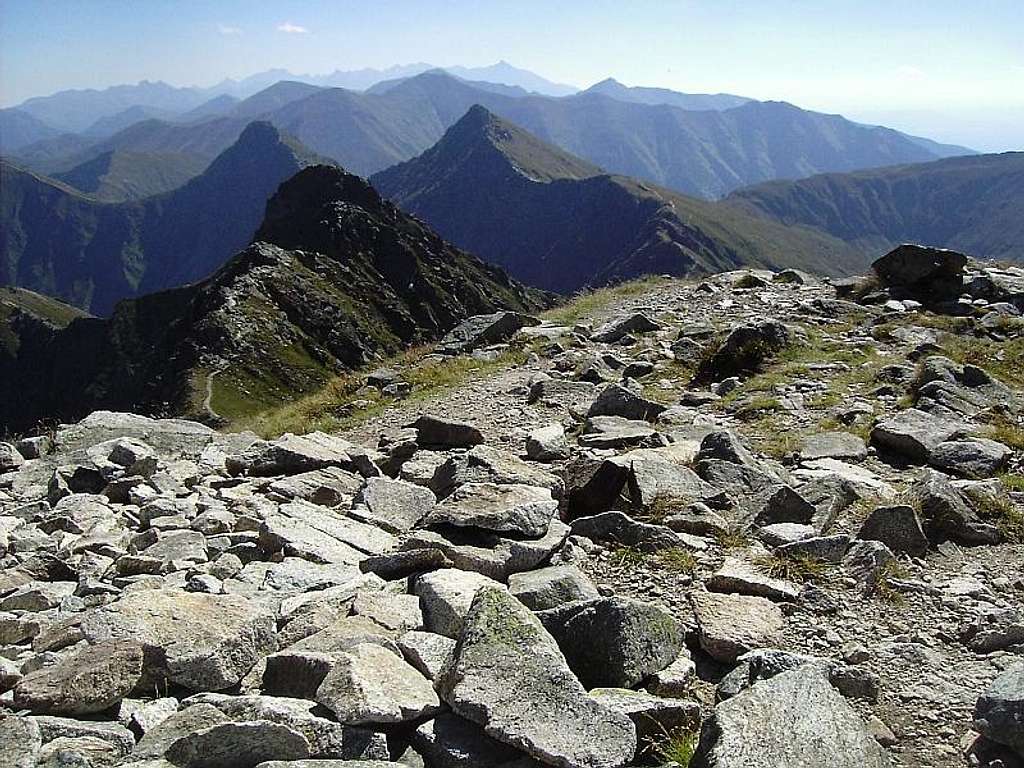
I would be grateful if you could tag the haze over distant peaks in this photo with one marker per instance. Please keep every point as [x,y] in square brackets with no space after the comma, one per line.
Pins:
[695,101]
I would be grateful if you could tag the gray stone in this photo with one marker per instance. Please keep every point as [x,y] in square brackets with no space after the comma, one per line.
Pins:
[868,561]
[614,641]
[622,529]
[329,487]
[546,444]
[827,549]
[155,742]
[833,445]
[999,711]
[398,565]
[490,554]
[739,576]
[973,458]
[924,273]
[652,715]
[897,527]
[428,652]
[618,432]
[744,349]
[795,718]
[676,679]
[327,738]
[322,535]
[482,330]
[369,684]
[238,745]
[10,458]
[292,454]
[947,513]
[509,676]
[446,595]
[394,505]
[617,329]
[434,432]
[516,509]
[91,680]
[914,434]
[617,400]
[994,630]
[551,586]
[202,642]
[21,742]
[449,741]
[730,625]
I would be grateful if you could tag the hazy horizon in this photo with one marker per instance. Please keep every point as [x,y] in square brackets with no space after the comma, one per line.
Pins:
[913,67]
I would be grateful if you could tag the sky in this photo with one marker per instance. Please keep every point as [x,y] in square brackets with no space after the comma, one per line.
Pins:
[953,71]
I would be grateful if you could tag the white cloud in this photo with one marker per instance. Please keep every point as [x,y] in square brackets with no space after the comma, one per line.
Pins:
[229,31]
[292,29]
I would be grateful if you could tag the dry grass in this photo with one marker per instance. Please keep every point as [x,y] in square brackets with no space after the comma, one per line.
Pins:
[799,568]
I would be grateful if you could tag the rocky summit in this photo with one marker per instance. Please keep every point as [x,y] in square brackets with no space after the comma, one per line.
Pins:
[752,520]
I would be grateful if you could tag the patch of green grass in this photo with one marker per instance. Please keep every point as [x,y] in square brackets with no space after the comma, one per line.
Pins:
[625,556]
[796,567]
[678,746]
[1000,510]
[586,305]
[332,408]
[758,407]
[883,587]
[677,559]
[1013,481]
[1003,428]
[1003,360]
[733,539]
[663,506]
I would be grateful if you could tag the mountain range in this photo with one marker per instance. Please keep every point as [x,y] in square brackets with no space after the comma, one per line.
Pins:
[705,152]
[560,223]
[335,277]
[972,204]
[90,254]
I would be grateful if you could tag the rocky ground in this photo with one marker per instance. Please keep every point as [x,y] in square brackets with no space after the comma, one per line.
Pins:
[771,520]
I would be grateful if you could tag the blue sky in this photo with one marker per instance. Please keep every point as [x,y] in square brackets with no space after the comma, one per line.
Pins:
[953,70]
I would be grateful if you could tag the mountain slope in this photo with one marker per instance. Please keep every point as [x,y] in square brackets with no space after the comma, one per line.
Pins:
[20,129]
[337,276]
[116,176]
[560,223]
[92,254]
[613,89]
[971,204]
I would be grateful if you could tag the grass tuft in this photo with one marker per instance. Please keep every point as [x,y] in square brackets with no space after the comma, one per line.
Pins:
[798,567]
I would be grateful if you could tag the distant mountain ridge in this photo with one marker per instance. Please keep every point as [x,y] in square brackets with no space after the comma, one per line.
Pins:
[93,254]
[691,101]
[337,276]
[561,223]
[707,152]
[973,204]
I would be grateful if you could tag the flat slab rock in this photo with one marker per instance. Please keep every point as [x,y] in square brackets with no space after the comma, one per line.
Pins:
[508,675]
[91,680]
[202,642]
[793,719]
[516,509]
[730,625]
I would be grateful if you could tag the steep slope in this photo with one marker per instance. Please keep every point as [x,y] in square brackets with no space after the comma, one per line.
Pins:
[336,277]
[116,176]
[92,255]
[972,204]
[28,317]
[613,89]
[20,129]
[560,223]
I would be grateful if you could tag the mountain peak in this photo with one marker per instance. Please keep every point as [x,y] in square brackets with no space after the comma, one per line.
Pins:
[529,156]
[301,212]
